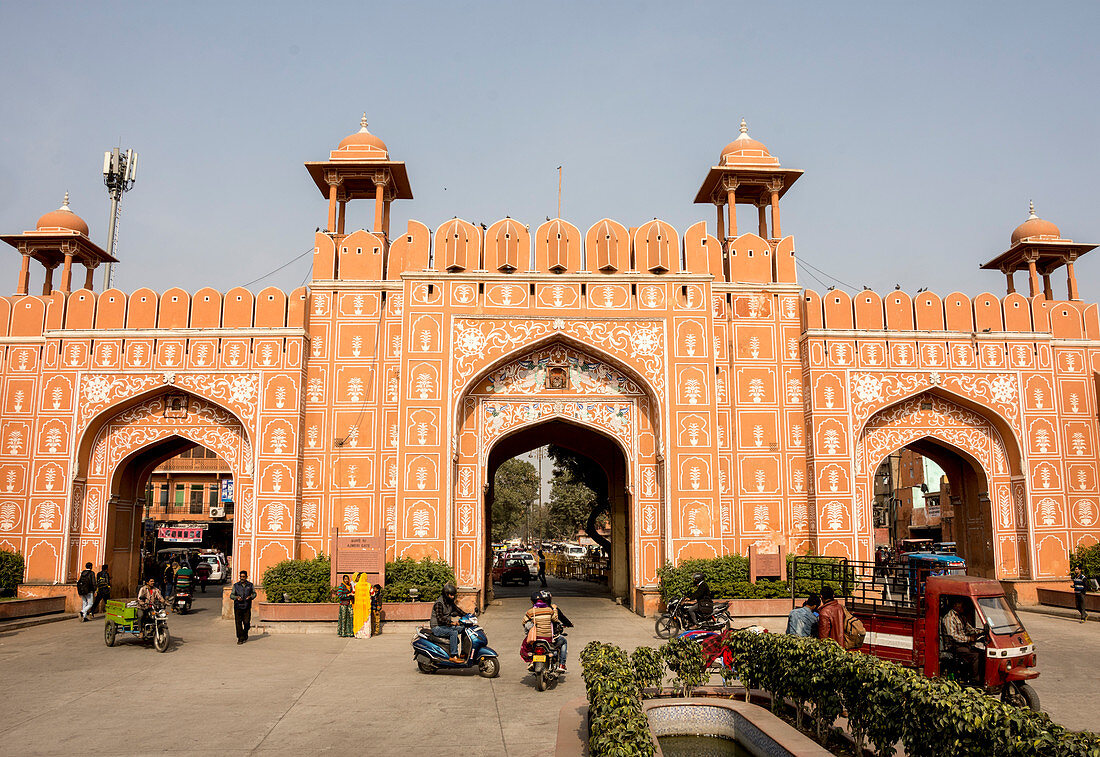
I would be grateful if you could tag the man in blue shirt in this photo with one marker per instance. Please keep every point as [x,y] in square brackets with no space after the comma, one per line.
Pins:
[1079,587]
[803,620]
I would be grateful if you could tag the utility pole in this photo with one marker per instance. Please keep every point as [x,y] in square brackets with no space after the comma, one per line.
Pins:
[119,172]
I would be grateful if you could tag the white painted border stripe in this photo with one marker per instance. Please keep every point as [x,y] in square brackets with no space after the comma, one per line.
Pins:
[895,640]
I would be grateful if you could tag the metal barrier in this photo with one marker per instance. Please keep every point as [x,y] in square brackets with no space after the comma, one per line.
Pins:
[586,569]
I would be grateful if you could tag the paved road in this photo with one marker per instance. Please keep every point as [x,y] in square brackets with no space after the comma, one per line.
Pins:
[294,694]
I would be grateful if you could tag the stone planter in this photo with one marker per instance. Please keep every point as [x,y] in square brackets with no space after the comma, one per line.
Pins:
[298,611]
[407,611]
[329,612]
[28,608]
[1065,598]
[67,592]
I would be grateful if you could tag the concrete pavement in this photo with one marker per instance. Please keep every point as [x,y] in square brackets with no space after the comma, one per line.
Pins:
[295,694]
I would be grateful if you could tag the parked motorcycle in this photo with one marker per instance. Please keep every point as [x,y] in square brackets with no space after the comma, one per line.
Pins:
[181,601]
[676,619]
[432,653]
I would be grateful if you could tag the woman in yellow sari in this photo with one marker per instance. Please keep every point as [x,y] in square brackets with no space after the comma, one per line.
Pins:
[361,615]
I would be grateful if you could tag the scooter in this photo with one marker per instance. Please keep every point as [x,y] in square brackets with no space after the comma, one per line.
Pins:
[181,601]
[432,652]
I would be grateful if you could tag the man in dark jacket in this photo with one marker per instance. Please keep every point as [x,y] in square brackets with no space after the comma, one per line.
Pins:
[102,588]
[85,587]
[1079,588]
[830,617]
[703,606]
[242,595]
[445,615]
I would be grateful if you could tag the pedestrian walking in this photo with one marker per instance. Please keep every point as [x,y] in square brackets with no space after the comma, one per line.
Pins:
[169,579]
[542,568]
[1079,589]
[242,595]
[85,587]
[802,621]
[102,589]
[345,593]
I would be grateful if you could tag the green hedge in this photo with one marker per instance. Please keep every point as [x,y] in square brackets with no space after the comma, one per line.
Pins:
[887,703]
[1089,560]
[427,576]
[728,578]
[11,572]
[299,580]
[616,725]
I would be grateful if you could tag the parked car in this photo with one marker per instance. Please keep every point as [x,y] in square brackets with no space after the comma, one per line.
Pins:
[575,552]
[529,559]
[511,570]
[219,568]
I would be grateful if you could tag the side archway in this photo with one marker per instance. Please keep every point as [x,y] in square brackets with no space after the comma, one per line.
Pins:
[986,498]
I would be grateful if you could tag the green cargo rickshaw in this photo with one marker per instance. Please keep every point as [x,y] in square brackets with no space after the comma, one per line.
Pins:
[128,617]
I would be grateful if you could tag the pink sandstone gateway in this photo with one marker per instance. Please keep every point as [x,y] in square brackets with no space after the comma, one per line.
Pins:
[729,406]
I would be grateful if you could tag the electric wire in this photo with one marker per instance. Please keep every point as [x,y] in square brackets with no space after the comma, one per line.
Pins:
[284,265]
[853,287]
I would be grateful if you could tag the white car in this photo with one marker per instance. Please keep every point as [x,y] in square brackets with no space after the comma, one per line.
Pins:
[575,552]
[527,557]
[219,569]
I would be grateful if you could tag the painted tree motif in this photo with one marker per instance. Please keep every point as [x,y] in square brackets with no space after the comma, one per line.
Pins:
[352,479]
[15,442]
[760,517]
[53,440]
[46,514]
[689,343]
[278,442]
[1077,443]
[761,479]
[201,351]
[692,528]
[1042,441]
[311,436]
[280,397]
[9,516]
[834,515]
[758,435]
[17,400]
[356,345]
[420,523]
[9,479]
[309,515]
[56,396]
[831,441]
[692,391]
[694,475]
[275,516]
[756,389]
[355,389]
[1048,511]
[351,519]
[425,385]
[840,353]
[353,436]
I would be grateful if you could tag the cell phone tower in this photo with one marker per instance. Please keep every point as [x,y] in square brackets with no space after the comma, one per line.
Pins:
[119,172]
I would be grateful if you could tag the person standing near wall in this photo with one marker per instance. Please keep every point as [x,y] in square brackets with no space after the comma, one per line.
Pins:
[345,593]
[242,595]
[103,589]
[85,587]
[1079,588]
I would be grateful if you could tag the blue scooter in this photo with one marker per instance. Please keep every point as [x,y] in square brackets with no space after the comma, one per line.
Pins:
[432,653]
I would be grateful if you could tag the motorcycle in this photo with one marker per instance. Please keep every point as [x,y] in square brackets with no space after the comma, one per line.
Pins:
[128,618]
[675,618]
[545,663]
[181,601]
[432,652]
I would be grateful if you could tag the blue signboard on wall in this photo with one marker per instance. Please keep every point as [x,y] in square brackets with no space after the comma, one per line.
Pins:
[227,490]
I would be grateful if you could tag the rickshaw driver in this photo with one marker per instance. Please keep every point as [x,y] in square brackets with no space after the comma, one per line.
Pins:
[148,597]
[963,635]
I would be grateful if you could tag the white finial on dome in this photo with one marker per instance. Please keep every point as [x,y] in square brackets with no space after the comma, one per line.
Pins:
[1031,210]
[363,124]
[65,204]
[744,130]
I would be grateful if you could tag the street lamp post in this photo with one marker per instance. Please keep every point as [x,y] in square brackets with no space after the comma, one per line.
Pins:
[119,172]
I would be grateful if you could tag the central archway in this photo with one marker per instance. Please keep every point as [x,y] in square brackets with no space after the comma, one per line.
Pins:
[553,385]
[606,453]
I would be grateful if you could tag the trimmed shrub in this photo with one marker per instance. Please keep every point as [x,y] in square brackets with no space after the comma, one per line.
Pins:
[1089,560]
[728,578]
[887,703]
[11,572]
[427,576]
[299,581]
[616,725]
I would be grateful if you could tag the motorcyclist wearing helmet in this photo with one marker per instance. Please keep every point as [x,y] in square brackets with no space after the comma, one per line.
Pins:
[549,622]
[702,605]
[445,615]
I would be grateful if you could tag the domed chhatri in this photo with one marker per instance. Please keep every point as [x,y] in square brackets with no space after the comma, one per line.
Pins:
[746,151]
[362,145]
[1035,228]
[62,219]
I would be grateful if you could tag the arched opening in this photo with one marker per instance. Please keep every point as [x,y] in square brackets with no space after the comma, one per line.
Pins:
[170,496]
[155,464]
[971,475]
[603,468]
[930,490]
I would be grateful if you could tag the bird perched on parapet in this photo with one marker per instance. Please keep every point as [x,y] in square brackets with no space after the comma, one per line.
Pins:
[547,218]
[483,226]
[897,287]
[831,288]
[922,289]
[866,288]
[986,331]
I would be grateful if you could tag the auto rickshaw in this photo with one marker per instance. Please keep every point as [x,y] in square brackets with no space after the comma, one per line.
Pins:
[126,618]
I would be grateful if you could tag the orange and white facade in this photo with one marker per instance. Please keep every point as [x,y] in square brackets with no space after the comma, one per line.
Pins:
[740,408]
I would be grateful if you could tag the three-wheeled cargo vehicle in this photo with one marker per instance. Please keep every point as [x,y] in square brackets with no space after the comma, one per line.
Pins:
[127,617]
[903,608]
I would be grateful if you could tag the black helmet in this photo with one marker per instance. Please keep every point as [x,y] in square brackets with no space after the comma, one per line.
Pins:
[449,591]
[697,578]
[545,596]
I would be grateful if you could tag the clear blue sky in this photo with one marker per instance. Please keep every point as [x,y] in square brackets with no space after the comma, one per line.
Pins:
[923,128]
